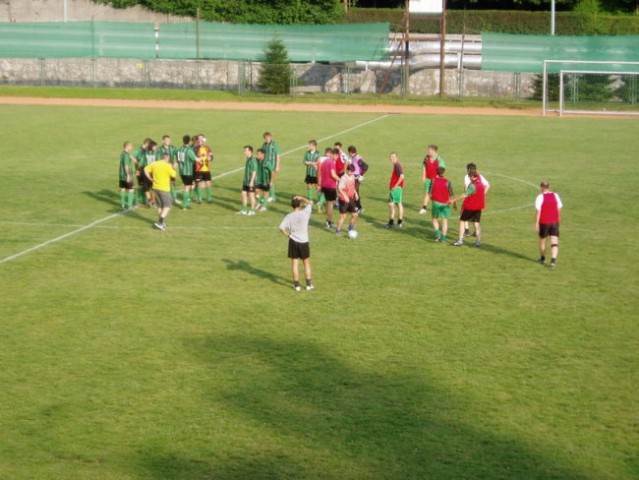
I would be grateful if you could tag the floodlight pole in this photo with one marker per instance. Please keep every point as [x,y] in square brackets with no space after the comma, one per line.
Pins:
[442,52]
[405,64]
[64,10]
[552,17]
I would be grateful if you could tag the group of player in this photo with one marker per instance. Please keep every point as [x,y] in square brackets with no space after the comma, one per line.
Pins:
[333,179]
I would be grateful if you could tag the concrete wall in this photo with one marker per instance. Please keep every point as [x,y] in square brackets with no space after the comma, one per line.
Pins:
[77,10]
[231,75]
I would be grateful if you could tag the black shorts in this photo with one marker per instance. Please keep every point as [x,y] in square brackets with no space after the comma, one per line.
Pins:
[330,194]
[548,230]
[202,176]
[187,180]
[310,180]
[348,207]
[470,216]
[298,250]
[264,188]
[247,188]
[145,183]
[126,185]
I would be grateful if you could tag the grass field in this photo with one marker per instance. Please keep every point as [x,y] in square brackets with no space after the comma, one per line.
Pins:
[128,353]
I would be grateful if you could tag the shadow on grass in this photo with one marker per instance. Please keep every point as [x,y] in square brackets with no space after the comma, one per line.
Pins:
[306,413]
[113,198]
[243,266]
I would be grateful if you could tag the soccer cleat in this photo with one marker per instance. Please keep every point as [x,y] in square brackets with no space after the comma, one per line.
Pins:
[541,261]
[553,263]
[242,212]
[251,212]
[400,225]
[177,201]
[261,208]
[477,243]
[159,226]
[329,224]
[309,288]
[458,243]
[389,225]
[338,233]
[271,199]
[423,211]
[298,288]
[466,233]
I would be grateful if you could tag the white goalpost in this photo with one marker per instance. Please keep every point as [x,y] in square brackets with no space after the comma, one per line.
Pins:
[590,87]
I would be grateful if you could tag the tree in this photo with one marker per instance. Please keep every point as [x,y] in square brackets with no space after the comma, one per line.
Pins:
[275,75]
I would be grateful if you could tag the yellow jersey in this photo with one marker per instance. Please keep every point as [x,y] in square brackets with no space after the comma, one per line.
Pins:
[162,173]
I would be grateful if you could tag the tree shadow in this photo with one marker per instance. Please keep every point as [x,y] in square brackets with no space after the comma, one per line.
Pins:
[338,421]
[244,266]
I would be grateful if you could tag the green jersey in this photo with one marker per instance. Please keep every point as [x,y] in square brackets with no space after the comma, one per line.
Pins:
[138,154]
[171,151]
[263,173]
[272,150]
[148,157]
[186,160]
[126,161]
[311,170]
[252,165]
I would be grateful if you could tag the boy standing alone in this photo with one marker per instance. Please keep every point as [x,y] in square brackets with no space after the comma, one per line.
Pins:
[295,227]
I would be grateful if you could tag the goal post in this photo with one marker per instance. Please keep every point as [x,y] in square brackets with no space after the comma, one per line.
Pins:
[590,87]
[588,92]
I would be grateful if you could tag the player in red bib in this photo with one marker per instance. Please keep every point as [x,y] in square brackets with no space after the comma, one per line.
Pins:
[431,163]
[474,198]
[548,207]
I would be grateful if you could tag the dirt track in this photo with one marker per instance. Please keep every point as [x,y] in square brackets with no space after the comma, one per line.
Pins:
[272,107]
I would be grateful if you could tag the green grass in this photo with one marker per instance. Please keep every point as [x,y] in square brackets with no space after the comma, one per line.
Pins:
[128,353]
[221,96]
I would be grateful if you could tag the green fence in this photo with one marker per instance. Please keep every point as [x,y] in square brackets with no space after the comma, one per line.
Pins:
[197,40]
[526,53]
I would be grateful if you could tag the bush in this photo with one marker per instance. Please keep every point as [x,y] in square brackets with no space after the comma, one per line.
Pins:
[503,21]
[275,75]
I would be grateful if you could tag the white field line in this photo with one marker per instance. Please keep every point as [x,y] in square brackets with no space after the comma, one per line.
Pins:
[97,222]
[57,239]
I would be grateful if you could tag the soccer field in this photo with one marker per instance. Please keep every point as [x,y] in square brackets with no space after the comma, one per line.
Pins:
[130,353]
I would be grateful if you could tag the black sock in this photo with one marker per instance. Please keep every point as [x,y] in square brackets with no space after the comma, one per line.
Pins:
[399,222]
[297,284]
[542,258]
[391,221]
[308,282]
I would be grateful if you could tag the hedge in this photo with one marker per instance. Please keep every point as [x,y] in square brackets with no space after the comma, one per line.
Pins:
[503,21]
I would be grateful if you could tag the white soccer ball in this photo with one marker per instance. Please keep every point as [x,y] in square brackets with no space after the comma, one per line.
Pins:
[352,234]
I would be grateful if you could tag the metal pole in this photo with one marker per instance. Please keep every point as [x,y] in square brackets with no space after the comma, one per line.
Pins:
[197,33]
[552,17]
[544,89]
[406,66]
[64,10]
[442,53]
[561,93]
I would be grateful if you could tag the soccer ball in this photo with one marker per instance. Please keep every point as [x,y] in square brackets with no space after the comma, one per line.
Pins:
[352,234]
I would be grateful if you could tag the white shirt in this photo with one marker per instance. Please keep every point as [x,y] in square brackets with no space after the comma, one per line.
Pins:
[540,200]
[296,223]
[482,179]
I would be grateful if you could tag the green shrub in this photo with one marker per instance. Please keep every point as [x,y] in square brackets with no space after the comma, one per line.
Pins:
[275,75]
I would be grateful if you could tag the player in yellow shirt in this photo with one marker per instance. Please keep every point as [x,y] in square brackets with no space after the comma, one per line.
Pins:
[204,156]
[161,173]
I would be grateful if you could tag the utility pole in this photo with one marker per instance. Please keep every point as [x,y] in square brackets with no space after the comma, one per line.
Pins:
[405,57]
[442,53]
[552,17]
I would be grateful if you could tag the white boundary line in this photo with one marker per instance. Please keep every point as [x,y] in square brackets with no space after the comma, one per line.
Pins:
[97,222]
[57,239]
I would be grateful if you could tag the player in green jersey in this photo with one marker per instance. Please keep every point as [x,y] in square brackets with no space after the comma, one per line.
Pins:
[186,162]
[271,161]
[167,149]
[139,161]
[310,160]
[248,185]
[263,180]
[126,177]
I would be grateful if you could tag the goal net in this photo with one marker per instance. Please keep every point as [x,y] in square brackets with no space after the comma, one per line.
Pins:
[591,87]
